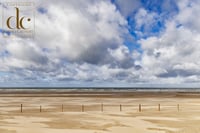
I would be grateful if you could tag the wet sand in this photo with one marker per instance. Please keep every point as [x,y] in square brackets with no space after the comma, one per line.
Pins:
[99,112]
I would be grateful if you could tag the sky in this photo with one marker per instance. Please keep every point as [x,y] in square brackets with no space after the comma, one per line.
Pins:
[105,43]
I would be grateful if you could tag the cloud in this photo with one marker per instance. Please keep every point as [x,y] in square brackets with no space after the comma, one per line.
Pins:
[79,42]
[175,53]
[74,41]
[127,7]
[81,36]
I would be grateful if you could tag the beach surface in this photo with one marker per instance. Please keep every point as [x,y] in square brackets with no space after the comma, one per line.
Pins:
[99,112]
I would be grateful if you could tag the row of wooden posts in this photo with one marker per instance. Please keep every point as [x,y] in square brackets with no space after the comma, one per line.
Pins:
[102,108]
[159,107]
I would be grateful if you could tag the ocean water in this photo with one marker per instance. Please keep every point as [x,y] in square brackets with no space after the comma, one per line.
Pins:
[98,89]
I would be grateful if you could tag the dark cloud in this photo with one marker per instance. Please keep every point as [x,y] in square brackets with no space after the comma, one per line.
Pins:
[177,72]
[127,7]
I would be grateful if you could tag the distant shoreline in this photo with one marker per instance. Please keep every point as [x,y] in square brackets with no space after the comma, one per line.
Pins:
[100,92]
[101,88]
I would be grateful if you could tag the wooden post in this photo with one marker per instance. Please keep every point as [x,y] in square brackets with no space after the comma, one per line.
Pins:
[102,107]
[120,107]
[82,108]
[158,107]
[62,108]
[21,108]
[140,108]
[40,108]
[178,108]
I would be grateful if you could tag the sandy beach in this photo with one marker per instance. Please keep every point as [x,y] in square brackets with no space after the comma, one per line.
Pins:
[105,112]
